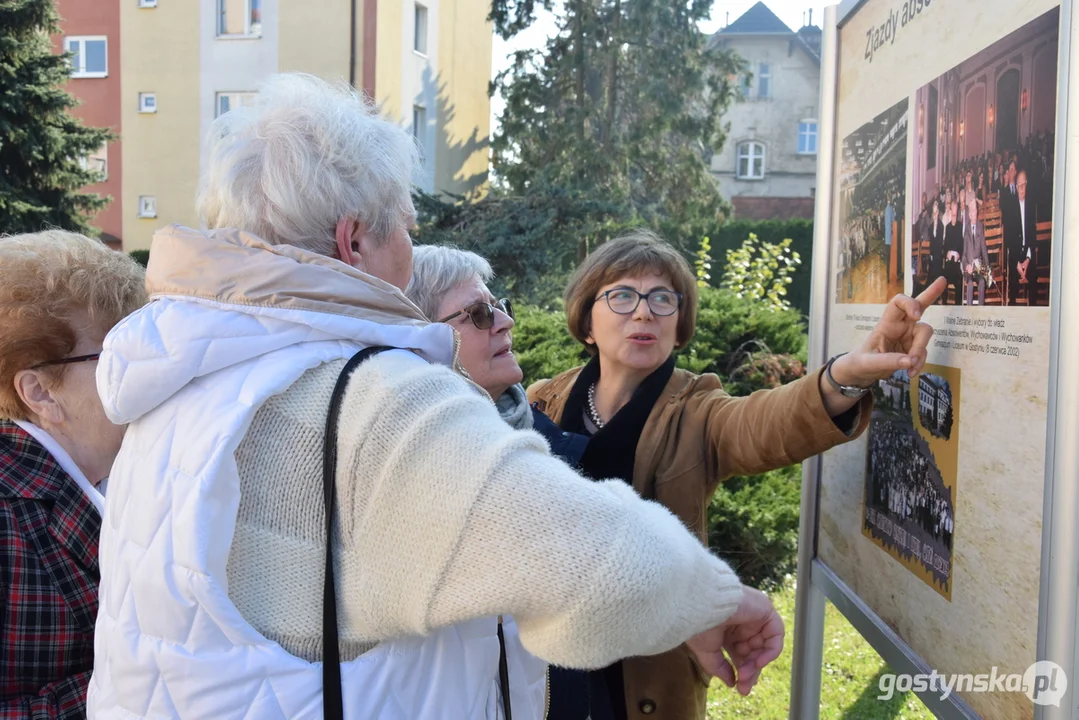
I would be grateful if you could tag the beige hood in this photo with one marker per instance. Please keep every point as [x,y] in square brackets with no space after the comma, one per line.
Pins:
[209,288]
[237,268]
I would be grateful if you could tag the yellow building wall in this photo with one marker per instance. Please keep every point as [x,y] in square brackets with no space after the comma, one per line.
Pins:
[160,54]
[314,37]
[388,51]
[464,119]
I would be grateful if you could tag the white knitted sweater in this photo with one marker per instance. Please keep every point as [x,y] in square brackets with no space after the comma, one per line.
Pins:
[591,572]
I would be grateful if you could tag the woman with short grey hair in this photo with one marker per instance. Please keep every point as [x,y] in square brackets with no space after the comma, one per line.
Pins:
[292,165]
[438,269]
[450,285]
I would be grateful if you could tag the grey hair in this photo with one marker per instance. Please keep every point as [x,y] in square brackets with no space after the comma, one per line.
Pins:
[438,269]
[303,156]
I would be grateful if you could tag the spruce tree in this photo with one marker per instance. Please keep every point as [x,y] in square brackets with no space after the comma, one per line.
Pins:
[624,103]
[41,143]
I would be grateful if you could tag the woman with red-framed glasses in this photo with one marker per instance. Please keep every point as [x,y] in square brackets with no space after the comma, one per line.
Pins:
[60,293]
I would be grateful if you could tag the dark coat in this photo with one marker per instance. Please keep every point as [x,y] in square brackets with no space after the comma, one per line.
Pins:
[571,690]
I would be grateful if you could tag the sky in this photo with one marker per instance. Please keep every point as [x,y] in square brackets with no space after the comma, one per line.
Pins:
[789,11]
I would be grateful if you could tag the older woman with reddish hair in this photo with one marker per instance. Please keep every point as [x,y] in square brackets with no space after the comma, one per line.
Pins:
[674,436]
[60,293]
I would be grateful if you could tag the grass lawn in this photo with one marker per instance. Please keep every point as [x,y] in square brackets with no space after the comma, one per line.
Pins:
[849,687]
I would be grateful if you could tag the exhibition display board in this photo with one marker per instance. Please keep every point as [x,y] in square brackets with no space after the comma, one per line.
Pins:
[944,135]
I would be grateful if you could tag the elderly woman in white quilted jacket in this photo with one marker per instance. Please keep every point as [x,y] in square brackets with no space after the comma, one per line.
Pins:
[213,544]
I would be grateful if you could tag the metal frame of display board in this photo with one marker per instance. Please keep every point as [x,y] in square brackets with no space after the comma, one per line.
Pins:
[1058,629]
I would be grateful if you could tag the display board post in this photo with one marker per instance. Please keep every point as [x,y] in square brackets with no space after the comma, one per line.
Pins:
[809,600]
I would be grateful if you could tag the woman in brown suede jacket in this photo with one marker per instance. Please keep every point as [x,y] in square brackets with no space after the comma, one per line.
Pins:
[675,436]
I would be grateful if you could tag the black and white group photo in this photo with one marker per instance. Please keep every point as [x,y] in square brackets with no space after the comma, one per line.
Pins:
[909,509]
[983,179]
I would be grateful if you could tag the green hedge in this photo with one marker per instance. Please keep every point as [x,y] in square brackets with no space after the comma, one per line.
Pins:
[542,343]
[730,236]
[753,525]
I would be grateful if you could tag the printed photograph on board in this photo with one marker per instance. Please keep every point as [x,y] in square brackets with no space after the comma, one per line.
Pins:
[872,190]
[911,472]
[983,178]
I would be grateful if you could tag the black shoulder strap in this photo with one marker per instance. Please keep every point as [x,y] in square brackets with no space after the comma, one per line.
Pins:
[332,699]
[504,673]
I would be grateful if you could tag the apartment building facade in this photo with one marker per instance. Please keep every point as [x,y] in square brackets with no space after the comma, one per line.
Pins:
[91,31]
[182,63]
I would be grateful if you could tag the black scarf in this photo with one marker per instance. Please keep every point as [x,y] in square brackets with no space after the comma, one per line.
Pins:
[612,449]
[610,454]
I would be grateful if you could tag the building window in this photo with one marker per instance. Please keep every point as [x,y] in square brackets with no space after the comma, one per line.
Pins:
[97,162]
[89,56]
[807,137]
[147,3]
[419,131]
[239,18]
[231,100]
[745,86]
[147,206]
[751,161]
[764,81]
[419,122]
[147,102]
[419,43]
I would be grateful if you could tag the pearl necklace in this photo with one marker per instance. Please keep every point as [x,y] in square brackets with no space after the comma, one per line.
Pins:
[593,414]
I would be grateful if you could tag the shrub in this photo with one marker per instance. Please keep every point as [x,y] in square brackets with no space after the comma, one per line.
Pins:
[760,271]
[142,257]
[753,525]
[543,345]
[730,328]
[730,236]
[730,333]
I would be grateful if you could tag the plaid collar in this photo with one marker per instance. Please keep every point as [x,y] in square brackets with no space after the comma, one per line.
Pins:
[29,472]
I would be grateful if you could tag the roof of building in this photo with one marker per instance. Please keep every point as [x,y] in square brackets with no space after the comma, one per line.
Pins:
[760,20]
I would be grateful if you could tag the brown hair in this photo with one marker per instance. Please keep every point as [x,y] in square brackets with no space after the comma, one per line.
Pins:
[45,278]
[631,255]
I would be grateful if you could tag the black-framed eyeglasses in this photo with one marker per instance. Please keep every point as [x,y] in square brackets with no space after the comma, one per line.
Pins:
[482,314]
[67,361]
[624,301]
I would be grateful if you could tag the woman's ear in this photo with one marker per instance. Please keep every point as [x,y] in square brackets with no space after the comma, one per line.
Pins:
[347,234]
[36,394]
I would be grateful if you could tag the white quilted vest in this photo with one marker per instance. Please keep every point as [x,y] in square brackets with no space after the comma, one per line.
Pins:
[189,376]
